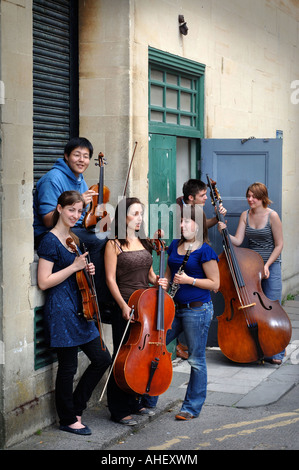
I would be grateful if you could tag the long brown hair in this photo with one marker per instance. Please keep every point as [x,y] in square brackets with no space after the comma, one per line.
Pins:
[119,224]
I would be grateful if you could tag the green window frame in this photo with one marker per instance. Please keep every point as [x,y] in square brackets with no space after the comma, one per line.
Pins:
[176,95]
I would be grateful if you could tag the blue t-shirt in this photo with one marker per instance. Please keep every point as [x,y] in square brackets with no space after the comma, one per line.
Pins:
[188,293]
[48,189]
[63,326]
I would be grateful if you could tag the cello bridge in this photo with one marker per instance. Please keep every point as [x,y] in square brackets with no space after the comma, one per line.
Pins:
[155,343]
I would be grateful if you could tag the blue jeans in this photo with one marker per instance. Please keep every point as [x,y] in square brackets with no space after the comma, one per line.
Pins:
[272,288]
[195,323]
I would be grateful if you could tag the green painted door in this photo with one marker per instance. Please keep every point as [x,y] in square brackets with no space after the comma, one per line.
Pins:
[162,194]
[162,186]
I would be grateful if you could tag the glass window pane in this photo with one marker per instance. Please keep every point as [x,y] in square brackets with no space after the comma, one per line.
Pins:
[194,103]
[186,83]
[185,121]
[156,116]
[156,96]
[186,102]
[157,75]
[171,98]
[171,118]
[172,79]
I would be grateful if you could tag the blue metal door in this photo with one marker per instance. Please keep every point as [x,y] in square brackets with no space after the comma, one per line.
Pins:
[234,164]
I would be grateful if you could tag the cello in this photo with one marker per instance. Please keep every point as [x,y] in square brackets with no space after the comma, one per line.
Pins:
[252,326]
[97,208]
[88,293]
[143,364]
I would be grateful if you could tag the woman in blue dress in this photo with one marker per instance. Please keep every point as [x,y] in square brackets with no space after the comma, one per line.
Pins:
[194,308]
[65,326]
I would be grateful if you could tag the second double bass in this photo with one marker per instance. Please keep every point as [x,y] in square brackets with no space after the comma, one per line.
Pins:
[252,326]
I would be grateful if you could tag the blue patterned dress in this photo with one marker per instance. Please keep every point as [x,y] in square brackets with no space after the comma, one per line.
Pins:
[64,326]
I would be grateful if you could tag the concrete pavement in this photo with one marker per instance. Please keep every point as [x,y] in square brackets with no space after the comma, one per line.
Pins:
[229,384]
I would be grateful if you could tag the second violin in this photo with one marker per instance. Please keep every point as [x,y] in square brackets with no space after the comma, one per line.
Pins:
[97,210]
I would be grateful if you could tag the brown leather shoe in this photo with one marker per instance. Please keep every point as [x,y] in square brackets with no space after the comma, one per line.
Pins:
[182,351]
[184,415]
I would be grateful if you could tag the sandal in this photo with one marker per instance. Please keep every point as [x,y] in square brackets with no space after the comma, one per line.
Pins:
[276,362]
[144,411]
[128,421]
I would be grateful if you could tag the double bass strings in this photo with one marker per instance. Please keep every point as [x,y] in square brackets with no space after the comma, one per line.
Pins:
[237,277]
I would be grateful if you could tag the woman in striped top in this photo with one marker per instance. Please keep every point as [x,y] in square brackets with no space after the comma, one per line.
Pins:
[263,229]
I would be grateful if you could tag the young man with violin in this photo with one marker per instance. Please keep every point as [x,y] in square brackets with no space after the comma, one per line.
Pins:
[66,175]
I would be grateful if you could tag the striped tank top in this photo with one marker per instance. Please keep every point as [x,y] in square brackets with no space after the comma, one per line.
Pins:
[261,240]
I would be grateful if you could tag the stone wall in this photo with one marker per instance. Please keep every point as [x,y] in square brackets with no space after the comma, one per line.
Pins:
[250,50]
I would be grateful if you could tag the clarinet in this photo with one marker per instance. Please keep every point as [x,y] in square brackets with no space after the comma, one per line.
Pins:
[174,286]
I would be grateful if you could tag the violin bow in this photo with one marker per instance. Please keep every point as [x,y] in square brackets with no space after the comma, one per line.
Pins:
[120,345]
[126,184]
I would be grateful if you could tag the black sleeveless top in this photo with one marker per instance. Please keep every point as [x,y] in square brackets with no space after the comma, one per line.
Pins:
[132,271]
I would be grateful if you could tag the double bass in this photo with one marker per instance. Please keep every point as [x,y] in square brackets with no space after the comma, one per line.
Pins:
[252,326]
[97,210]
[143,364]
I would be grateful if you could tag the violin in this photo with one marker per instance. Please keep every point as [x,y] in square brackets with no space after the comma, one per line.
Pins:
[252,326]
[143,364]
[88,293]
[97,210]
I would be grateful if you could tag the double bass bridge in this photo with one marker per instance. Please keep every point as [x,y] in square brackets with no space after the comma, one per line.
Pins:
[246,306]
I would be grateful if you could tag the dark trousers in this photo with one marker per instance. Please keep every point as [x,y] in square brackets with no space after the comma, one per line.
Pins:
[70,404]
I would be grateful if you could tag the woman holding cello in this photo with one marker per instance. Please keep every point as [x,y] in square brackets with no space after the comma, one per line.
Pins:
[66,327]
[128,265]
[263,229]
